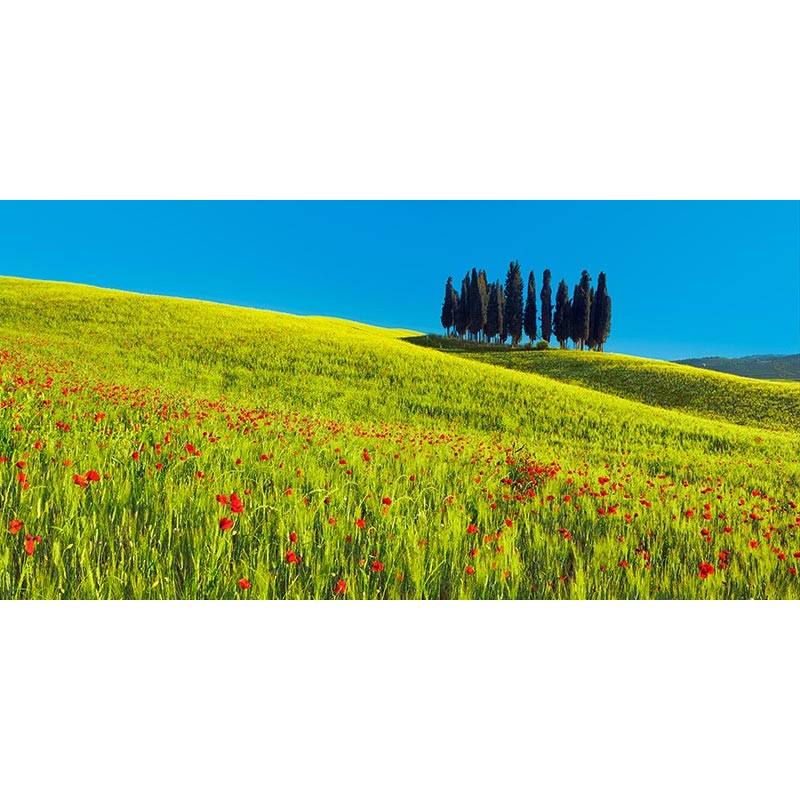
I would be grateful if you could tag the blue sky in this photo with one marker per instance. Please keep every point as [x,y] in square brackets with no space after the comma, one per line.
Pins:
[686,278]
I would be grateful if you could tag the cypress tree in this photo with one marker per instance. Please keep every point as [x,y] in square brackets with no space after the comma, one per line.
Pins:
[581,311]
[492,326]
[562,318]
[483,294]
[449,307]
[462,312]
[603,313]
[514,303]
[547,307]
[591,342]
[501,312]
[475,317]
[529,320]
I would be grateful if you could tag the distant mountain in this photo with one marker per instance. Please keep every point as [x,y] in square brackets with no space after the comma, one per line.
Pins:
[786,368]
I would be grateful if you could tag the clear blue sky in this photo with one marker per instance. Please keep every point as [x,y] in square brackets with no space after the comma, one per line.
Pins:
[686,278]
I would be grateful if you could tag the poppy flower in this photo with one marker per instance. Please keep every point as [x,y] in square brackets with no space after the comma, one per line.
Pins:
[225,524]
[377,566]
[387,501]
[244,583]
[222,499]
[236,504]
[706,569]
[470,570]
[340,588]
[360,523]
[91,475]
[292,537]
[79,480]
[291,557]
[15,526]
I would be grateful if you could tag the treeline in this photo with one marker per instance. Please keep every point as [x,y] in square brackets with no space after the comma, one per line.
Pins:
[494,312]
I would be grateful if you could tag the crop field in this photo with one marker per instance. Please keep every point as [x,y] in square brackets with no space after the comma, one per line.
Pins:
[161,448]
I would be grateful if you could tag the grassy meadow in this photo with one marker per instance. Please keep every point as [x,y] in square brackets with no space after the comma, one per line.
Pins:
[163,448]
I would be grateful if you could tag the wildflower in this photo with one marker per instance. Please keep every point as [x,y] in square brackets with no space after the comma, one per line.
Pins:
[91,475]
[236,504]
[225,524]
[244,584]
[360,523]
[341,587]
[387,501]
[79,480]
[705,569]
[222,499]
[293,537]
[377,566]
[15,526]
[291,557]
[470,570]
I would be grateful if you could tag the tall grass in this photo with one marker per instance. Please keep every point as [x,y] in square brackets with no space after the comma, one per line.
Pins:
[366,467]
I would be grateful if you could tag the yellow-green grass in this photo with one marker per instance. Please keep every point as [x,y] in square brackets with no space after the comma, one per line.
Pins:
[747,401]
[542,488]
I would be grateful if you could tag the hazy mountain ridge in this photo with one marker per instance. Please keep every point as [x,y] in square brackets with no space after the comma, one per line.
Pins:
[767,367]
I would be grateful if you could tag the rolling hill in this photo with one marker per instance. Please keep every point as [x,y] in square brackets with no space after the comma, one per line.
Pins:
[162,448]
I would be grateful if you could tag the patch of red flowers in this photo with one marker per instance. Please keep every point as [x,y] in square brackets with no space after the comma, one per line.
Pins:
[15,526]
[706,569]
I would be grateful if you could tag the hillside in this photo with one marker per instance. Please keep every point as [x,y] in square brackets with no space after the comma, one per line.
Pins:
[662,384]
[767,367]
[155,447]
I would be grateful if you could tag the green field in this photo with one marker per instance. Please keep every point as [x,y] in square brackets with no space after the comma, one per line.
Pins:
[365,466]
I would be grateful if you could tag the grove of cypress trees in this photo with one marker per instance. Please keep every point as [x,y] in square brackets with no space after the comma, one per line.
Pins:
[529,319]
[562,318]
[547,306]
[513,297]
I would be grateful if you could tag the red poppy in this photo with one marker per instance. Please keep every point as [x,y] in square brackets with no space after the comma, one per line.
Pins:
[623,563]
[135,455]
[222,499]
[79,480]
[705,569]
[291,557]
[360,523]
[377,566]
[292,537]
[753,544]
[225,524]
[244,583]
[470,570]
[91,475]
[387,501]
[236,504]
[340,588]
[15,526]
